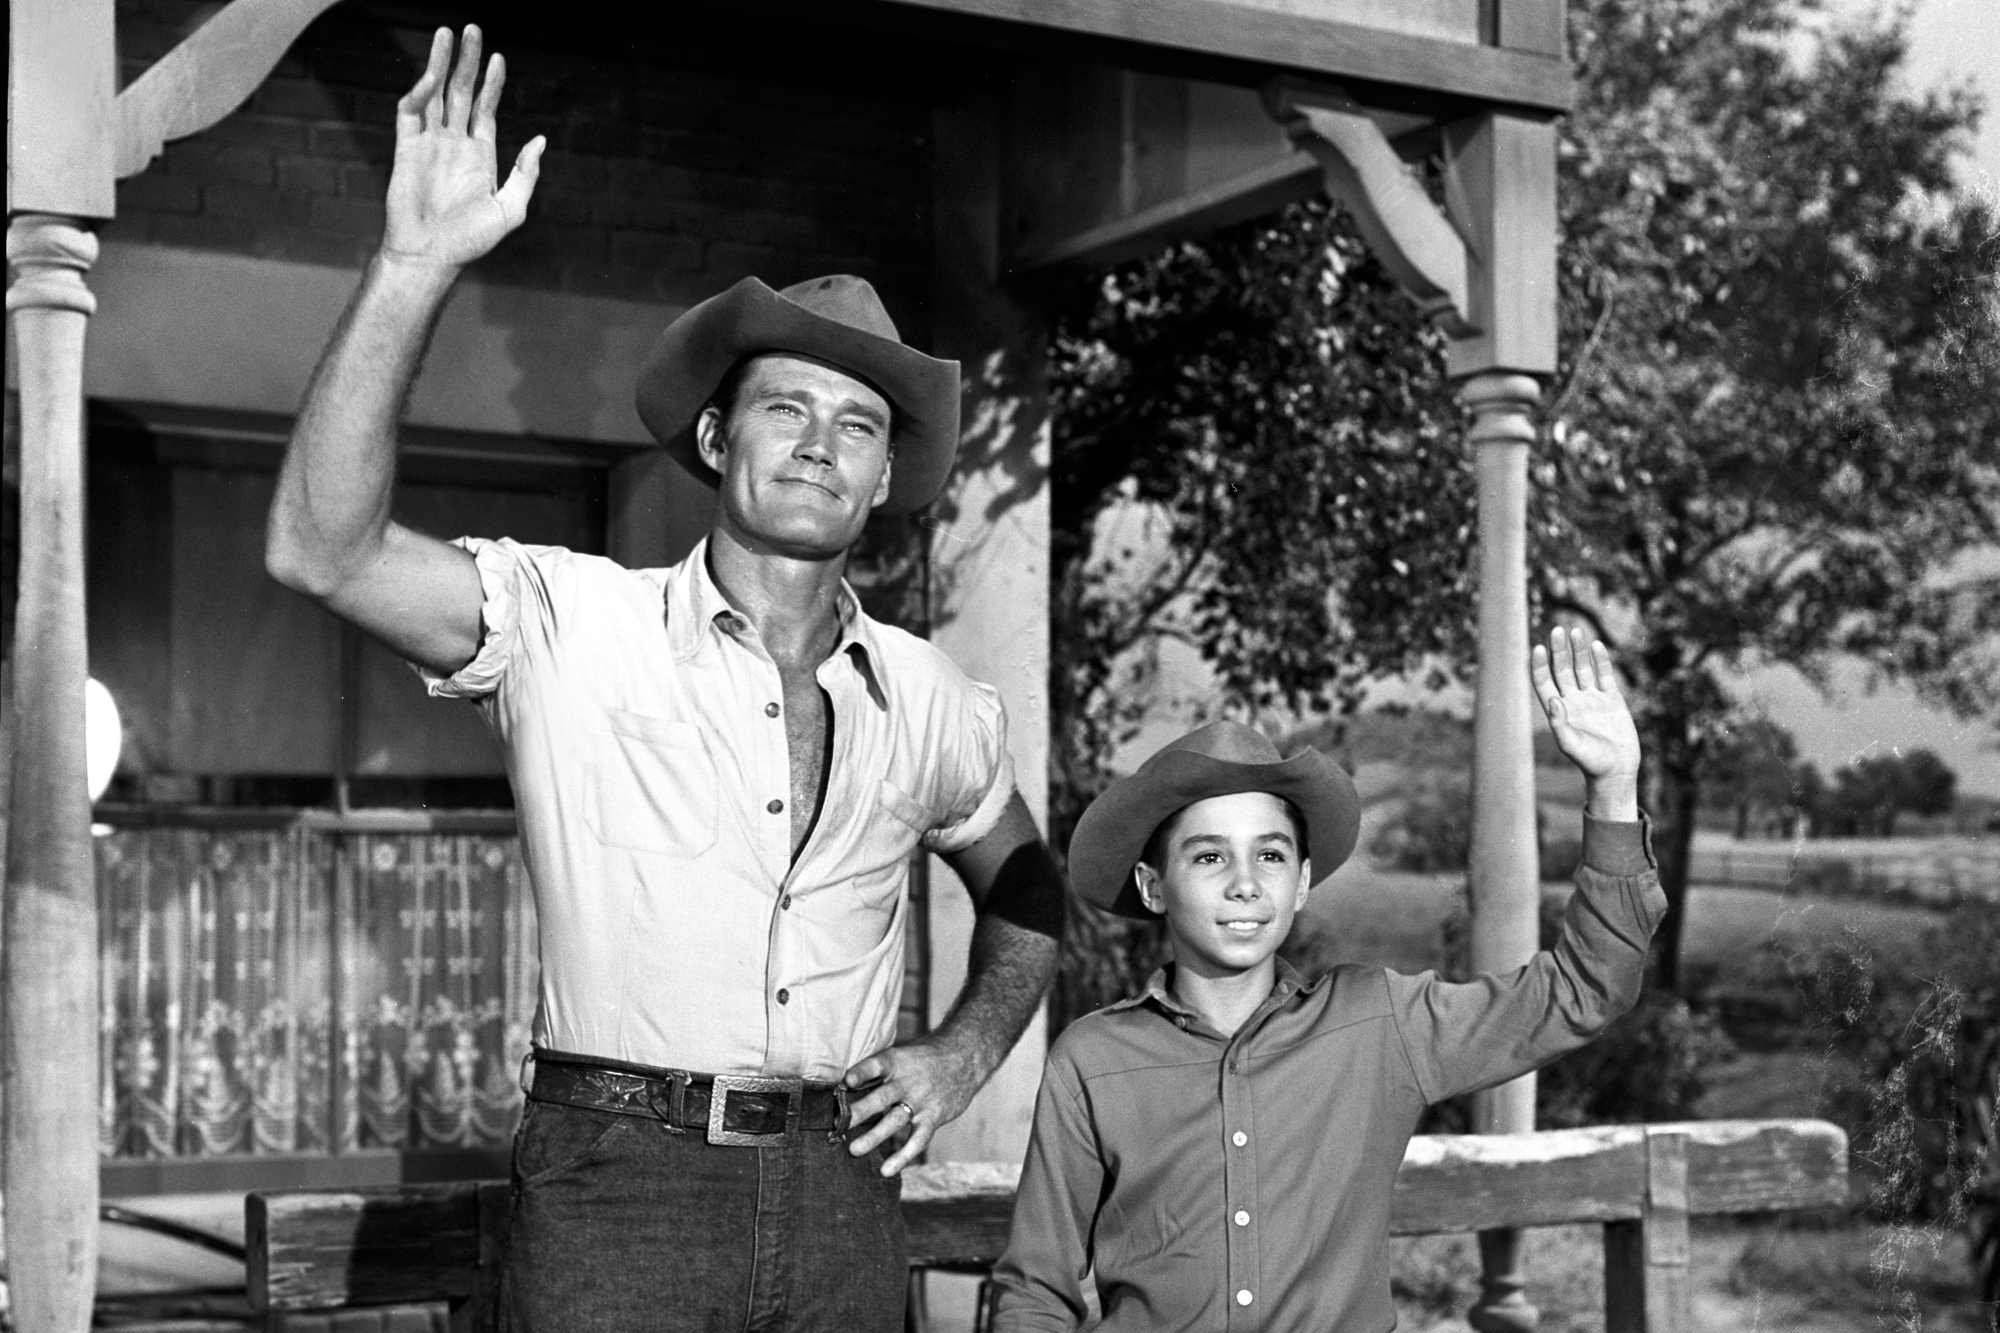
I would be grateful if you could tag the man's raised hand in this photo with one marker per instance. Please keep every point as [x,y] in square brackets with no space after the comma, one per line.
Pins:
[1578,686]
[444,209]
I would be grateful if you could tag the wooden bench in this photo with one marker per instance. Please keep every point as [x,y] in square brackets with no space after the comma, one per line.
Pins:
[427,1256]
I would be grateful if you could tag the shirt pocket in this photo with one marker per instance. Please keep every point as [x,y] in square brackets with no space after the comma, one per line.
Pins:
[885,839]
[652,786]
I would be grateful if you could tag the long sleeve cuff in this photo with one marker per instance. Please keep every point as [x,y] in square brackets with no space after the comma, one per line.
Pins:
[1618,847]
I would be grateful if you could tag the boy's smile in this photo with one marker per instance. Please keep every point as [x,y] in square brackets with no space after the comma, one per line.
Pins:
[1230,878]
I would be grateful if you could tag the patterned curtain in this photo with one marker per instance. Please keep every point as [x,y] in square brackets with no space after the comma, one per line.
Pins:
[439,986]
[298,990]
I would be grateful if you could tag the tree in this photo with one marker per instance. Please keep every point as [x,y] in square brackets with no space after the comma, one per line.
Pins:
[1863,801]
[1925,784]
[1750,766]
[1809,801]
[1871,792]
[1776,425]
[1779,417]
[1251,457]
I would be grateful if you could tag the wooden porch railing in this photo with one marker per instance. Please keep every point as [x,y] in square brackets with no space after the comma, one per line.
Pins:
[427,1256]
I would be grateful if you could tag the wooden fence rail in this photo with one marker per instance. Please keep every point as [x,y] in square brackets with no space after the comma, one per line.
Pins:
[427,1256]
[1919,872]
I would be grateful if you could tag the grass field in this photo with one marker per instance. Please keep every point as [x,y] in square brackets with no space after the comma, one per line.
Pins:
[1780,1275]
[1771,1277]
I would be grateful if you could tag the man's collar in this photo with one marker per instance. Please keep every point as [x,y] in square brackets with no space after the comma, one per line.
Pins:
[695,608]
[692,603]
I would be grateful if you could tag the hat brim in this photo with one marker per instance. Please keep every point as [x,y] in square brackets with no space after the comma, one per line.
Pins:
[1114,830]
[690,358]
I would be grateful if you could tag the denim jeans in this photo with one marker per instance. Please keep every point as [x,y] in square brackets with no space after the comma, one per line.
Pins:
[621,1223]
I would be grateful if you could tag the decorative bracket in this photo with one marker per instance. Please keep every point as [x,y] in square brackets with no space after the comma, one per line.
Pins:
[206,77]
[1415,241]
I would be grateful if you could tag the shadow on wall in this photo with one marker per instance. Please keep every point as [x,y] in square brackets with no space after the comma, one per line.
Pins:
[1003,463]
[570,378]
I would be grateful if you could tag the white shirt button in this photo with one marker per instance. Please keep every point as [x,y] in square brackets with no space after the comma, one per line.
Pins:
[1242,1218]
[1244,1297]
[1239,1138]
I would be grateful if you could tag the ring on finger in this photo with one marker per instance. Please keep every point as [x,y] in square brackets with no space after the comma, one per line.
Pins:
[909,1110]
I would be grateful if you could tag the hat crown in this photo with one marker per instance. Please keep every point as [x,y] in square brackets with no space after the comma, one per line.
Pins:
[1232,742]
[845,299]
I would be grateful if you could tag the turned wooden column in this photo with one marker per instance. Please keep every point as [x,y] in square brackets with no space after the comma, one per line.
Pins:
[1505,866]
[49,1054]
[1483,268]
[72,134]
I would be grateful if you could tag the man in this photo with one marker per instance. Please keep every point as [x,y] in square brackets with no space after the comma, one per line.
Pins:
[722,770]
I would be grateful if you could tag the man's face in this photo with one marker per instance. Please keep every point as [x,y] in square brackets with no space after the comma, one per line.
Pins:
[1232,876]
[803,455]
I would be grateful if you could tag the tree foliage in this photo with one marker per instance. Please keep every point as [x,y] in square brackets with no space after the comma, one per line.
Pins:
[1243,428]
[1779,421]
[1774,437]
[1867,795]
[1751,766]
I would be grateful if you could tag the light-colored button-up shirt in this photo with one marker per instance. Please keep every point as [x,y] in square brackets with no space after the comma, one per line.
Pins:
[1230,1184]
[644,729]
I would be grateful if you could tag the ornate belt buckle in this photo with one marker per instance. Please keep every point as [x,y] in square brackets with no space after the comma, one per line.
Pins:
[718,1101]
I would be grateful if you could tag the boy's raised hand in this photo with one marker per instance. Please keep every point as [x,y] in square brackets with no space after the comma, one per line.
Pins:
[1578,687]
[444,206]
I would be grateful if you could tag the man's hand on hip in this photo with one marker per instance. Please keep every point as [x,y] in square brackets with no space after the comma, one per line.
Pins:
[443,208]
[910,1090]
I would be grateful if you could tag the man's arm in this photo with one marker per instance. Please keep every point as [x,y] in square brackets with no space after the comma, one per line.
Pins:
[1018,894]
[330,535]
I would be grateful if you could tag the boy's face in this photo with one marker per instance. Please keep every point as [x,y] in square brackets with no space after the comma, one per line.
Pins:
[1232,876]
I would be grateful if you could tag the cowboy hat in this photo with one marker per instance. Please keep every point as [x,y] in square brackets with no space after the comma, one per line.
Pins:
[1216,760]
[838,320]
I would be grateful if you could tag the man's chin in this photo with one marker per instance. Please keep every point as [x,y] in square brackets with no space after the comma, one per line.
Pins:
[803,536]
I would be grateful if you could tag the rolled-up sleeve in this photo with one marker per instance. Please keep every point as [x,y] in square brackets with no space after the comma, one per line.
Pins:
[511,581]
[1462,1036]
[1040,1278]
[975,773]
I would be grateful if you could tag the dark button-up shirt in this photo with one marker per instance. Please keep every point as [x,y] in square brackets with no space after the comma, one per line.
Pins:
[1244,1182]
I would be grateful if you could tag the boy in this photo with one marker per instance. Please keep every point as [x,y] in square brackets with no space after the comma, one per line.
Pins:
[1221,1151]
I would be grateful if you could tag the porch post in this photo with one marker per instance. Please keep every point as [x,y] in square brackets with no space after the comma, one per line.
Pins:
[61,79]
[50,1045]
[1504,871]
[1501,179]
[1484,269]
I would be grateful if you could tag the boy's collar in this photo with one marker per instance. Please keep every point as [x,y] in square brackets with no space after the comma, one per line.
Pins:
[1159,989]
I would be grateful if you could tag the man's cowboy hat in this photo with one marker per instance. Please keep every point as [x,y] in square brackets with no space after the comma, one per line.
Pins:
[1216,760]
[838,320]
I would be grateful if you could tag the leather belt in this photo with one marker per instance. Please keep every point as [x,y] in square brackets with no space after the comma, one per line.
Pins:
[734,1110]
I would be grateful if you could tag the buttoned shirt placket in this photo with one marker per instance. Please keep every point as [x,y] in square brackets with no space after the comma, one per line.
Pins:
[1241,1187]
[786,1005]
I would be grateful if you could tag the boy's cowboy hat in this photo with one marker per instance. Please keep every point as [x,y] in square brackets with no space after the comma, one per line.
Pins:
[838,320]
[1216,760]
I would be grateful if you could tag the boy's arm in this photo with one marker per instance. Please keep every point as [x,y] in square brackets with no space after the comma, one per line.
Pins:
[1040,1278]
[1462,1036]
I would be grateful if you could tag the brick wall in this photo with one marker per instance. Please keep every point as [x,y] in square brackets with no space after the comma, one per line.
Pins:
[671,170]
